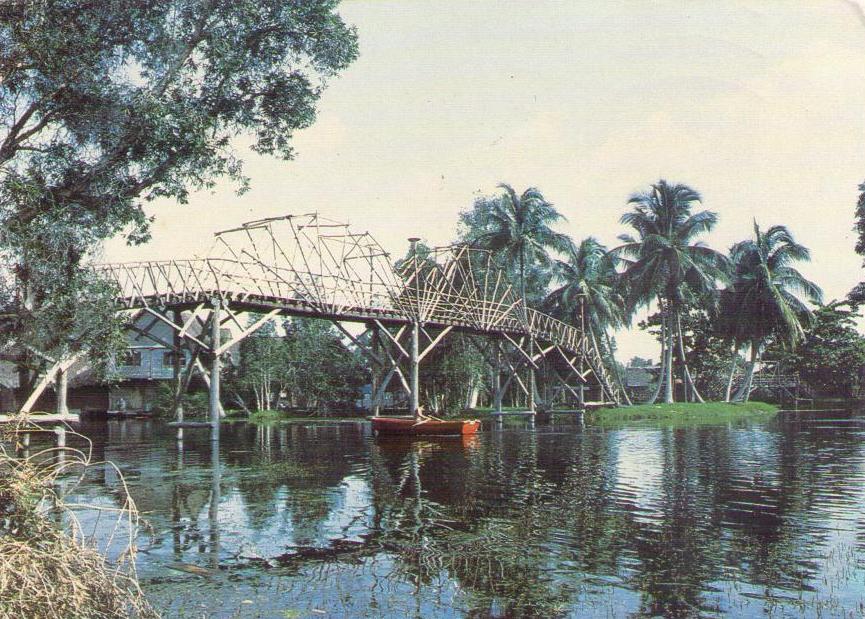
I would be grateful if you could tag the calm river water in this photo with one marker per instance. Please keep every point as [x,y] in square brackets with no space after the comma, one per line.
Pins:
[323,520]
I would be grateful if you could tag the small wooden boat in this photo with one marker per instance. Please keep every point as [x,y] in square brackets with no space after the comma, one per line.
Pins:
[424,426]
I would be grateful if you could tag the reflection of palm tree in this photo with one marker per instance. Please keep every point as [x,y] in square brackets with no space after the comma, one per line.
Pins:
[678,546]
[664,262]
[764,301]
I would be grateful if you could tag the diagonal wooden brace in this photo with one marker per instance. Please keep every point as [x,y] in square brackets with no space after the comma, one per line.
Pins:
[248,331]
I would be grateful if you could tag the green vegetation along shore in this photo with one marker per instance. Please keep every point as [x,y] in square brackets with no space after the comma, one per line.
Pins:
[683,413]
[271,416]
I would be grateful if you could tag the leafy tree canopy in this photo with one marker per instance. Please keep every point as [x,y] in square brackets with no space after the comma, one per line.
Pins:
[309,367]
[517,228]
[768,296]
[104,105]
[665,259]
[860,221]
[832,353]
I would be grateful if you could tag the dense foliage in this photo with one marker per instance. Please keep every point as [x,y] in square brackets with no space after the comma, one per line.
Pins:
[104,105]
[768,298]
[517,228]
[454,375]
[860,221]
[309,368]
[708,353]
[831,356]
[666,263]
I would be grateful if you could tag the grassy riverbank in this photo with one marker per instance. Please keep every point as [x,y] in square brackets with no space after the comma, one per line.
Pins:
[683,413]
[271,416]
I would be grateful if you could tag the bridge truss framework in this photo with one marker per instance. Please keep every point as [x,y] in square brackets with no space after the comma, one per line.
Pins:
[307,265]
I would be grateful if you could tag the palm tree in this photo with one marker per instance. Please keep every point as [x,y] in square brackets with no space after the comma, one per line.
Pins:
[517,228]
[765,300]
[665,263]
[590,285]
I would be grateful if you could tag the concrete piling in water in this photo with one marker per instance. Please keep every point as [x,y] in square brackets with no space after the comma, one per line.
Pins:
[60,442]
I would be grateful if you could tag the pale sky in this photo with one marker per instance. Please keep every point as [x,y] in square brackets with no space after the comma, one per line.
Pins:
[758,105]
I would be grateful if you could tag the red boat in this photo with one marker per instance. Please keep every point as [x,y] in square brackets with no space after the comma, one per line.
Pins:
[423,426]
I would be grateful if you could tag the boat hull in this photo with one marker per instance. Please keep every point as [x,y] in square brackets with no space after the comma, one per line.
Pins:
[408,426]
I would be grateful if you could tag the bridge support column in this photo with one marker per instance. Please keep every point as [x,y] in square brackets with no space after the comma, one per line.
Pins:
[178,358]
[414,383]
[375,402]
[214,369]
[498,394]
[60,388]
[530,396]
[60,443]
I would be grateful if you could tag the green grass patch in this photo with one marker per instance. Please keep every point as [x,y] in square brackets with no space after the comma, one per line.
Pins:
[682,413]
[272,416]
[489,409]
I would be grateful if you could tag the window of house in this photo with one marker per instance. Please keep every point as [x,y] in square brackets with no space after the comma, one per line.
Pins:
[168,359]
[132,358]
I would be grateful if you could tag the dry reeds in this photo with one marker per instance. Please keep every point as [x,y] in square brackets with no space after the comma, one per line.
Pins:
[49,566]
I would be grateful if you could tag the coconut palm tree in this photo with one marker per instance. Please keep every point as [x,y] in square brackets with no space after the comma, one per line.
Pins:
[766,300]
[517,229]
[590,288]
[665,263]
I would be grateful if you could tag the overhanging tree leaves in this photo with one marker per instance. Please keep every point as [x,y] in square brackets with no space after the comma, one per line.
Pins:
[104,105]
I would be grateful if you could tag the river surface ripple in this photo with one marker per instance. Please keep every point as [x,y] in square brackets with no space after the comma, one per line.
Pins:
[309,519]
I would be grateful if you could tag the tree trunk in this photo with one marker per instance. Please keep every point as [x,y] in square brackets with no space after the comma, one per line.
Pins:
[281,389]
[733,360]
[663,373]
[669,398]
[240,401]
[689,382]
[744,393]
[497,382]
[473,394]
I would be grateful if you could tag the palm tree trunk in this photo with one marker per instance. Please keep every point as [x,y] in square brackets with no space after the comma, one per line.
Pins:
[744,392]
[689,382]
[616,367]
[669,397]
[733,360]
[663,373]
[755,357]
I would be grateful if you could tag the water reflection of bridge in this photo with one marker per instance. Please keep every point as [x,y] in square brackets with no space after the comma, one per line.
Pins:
[309,266]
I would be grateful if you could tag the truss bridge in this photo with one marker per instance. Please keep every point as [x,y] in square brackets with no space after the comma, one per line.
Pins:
[307,265]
